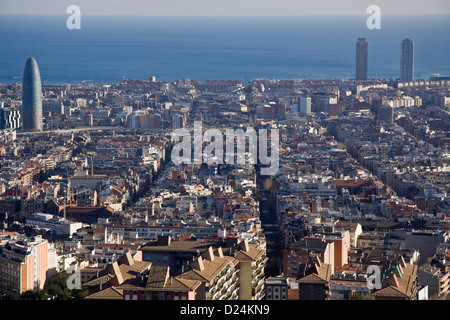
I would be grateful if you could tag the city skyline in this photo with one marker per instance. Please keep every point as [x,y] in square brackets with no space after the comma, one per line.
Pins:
[224,166]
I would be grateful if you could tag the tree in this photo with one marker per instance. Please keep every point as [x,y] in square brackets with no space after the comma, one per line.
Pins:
[57,289]
[80,294]
[34,295]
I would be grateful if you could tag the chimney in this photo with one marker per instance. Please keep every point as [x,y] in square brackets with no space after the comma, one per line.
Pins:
[168,277]
[402,262]
[220,252]
[117,273]
[210,254]
[394,278]
[198,264]
[127,259]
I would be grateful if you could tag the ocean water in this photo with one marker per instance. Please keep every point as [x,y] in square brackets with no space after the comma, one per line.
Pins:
[108,49]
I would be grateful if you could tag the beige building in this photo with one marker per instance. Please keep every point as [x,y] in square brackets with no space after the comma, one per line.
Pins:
[219,275]
[252,260]
[23,266]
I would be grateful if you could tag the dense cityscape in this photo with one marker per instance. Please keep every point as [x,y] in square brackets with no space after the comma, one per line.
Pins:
[93,207]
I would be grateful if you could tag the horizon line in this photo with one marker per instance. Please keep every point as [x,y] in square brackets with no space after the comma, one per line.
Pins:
[226,16]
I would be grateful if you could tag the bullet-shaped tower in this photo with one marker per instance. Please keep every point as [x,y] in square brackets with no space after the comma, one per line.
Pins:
[32,96]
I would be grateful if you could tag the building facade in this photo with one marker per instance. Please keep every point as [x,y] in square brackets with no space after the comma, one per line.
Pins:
[361,59]
[407,60]
[23,266]
[32,96]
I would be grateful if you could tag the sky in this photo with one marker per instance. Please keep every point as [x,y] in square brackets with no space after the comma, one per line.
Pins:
[224,7]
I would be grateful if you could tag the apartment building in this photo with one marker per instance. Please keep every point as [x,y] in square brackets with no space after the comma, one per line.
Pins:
[252,260]
[219,275]
[438,281]
[303,250]
[23,266]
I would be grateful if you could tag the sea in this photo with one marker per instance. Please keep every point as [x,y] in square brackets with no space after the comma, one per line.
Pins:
[109,49]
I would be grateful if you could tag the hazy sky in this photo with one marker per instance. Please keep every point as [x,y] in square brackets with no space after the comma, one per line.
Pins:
[224,7]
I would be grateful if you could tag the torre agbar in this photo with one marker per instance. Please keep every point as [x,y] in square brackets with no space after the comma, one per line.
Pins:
[32,96]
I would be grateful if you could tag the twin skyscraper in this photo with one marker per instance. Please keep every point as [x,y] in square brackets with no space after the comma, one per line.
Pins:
[406,60]
[31,97]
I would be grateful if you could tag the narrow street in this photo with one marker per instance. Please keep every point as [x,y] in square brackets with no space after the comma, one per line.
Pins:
[271,229]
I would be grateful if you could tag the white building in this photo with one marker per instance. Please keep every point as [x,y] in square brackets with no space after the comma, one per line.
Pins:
[58,225]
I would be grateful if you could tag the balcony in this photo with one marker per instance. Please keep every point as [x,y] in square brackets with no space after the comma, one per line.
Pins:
[260,295]
[216,295]
[221,282]
[212,290]
[235,294]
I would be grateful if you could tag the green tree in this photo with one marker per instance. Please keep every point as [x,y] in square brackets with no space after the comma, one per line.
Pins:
[80,294]
[57,289]
[34,295]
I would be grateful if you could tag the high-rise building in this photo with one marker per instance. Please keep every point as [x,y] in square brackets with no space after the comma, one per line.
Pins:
[304,105]
[32,96]
[361,59]
[23,266]
[407,60]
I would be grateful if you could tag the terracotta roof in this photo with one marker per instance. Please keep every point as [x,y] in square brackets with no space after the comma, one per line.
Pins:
[158,279]
[389,292]
[312,278]
[110,293]
[198,245]
[253,254]
[348,183]
[211,269]
[100,280]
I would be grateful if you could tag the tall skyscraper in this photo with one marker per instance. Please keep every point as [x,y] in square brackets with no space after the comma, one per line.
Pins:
[407,60]
[361,59]
[31,96]
[304,106]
